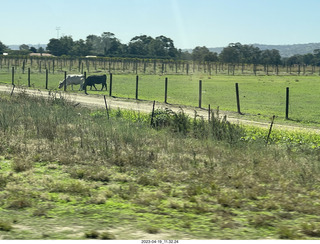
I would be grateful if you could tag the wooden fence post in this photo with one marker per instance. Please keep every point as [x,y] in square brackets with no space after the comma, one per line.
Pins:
[200,93]
[287,103]
[13,76]
[29,77]
[270,129]
[46,79]
[65,81]
[23,66]
[166,90]
[137,86]
[110,90]
[105,102]
[84,83]
[13,86]
[152,114]
[238,99]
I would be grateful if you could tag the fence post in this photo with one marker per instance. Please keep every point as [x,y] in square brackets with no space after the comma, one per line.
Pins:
[287,103]
[65,81]
[47,79]
[84,83]
[270,129]
[13,76]
[29,77]
[137,86]
[166,90]
[23,66]
[238,99]
[105,102]
[200,93]
[110,90]
[152,114]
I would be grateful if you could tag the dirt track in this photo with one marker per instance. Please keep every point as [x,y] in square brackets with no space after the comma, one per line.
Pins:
[143,106]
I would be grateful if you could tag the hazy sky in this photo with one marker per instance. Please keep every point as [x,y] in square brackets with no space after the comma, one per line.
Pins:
[189,23]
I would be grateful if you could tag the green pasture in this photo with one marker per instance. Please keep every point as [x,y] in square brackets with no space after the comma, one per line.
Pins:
[260,96]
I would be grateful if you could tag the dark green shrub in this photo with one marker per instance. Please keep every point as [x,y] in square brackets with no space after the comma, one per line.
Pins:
[217,128]
[311,229]
[92,234]
[162,118]
[287,233]
[178,122]
[5,226]
[21,164]
[3,181]
[106,236]
[152,230]
[20,202]
[223,130]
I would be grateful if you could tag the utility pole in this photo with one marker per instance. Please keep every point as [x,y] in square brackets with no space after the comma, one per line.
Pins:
[57,29]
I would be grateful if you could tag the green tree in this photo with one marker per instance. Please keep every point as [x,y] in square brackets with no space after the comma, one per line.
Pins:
[308,59]
[138,45]
[41,50]
[211,57]
[105,45]
[62,46]
[270,57]
[230,54]
[238,53]
[316,54]
[295,59]
[33,49]
[24,47]
[167,46]
[80,48]
[3,48]
[156,48]
[111,45]
[203,54]
[95,44]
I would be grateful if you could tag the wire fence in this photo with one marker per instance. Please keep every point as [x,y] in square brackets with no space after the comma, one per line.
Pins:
[147,66]
[243,98]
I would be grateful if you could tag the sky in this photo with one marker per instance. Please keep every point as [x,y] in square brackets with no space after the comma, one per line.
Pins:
[189,23]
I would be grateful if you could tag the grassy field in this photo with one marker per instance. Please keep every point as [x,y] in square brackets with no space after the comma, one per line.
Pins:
[261,97]
[68,172]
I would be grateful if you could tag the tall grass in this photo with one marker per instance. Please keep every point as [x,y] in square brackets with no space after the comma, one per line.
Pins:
[178,166]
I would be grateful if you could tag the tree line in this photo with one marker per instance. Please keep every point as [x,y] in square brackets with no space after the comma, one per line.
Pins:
[162,47]
[107,45]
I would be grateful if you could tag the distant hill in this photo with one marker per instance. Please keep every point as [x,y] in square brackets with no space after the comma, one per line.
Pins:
[16,47]
[285,50]
[290,50]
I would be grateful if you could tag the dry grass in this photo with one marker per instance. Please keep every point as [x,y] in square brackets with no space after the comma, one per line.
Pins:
[171,175]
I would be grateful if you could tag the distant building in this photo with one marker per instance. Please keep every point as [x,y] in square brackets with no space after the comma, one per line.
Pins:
[41,55]
[5,54]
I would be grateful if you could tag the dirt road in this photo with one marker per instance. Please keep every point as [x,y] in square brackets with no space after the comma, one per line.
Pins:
[143,106]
